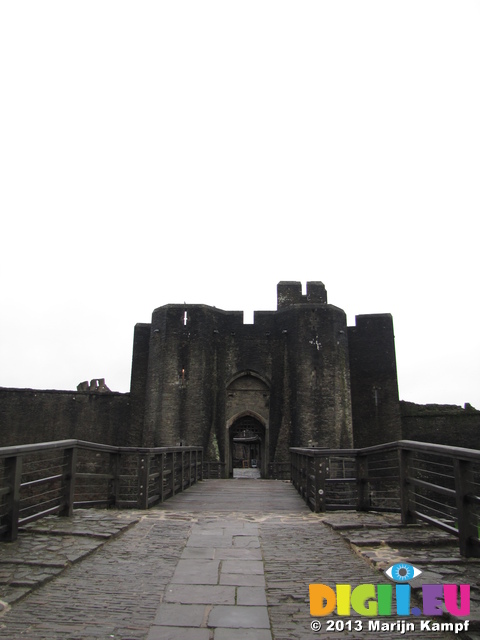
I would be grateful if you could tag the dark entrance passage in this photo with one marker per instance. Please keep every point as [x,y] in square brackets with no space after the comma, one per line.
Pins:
[247,436]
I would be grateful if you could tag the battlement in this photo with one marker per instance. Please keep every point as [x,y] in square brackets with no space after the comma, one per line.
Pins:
[97,384]
[290,293]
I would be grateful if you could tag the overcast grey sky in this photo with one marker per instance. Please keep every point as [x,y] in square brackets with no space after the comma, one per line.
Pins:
[162,152]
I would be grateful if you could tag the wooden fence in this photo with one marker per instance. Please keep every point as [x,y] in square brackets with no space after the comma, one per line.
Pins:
[54,477]
[434,483]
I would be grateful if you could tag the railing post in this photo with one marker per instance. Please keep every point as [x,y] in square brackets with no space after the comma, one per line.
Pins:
[304,485]
[143,474]
[465,516]
[294,468]
[172,469]
[13,476]
[162,476]
[114,484]
[320,467]
[181,471]
[297,471]
[302,475]
[68,481]
[307,478]
[189,468]
[407,504]
[198,466]
[361,464]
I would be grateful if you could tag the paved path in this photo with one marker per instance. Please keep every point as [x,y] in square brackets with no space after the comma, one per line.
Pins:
[225,560]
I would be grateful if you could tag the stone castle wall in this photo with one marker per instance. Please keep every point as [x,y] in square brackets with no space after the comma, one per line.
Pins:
[441,424]
[30,415]
[197,369]
[304,376]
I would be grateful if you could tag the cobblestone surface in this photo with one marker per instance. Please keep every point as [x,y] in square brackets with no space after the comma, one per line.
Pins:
[432,551]
[113,593]
[303,551]
[227,560]
[47,547]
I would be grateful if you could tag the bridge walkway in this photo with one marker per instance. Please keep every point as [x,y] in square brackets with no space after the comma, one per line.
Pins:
[225,560]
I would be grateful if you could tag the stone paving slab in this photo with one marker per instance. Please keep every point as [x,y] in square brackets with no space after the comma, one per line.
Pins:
[216,541]
[242,634]
[128,588]
[239,617]
[248,567]
[246,542]
[196,572]
[243,554]
[178,633]
[253,596]
[242,580]
[200,594]
[198,598]
[181,615]
[199,553]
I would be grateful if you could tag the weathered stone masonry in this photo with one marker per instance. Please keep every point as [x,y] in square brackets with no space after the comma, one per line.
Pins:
[199,373]
[32,415]
[297,376]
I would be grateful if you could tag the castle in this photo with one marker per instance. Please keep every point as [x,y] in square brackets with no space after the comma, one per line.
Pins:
[297,376]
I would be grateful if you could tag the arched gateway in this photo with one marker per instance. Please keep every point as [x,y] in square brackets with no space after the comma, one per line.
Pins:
[247,444]
[247,409]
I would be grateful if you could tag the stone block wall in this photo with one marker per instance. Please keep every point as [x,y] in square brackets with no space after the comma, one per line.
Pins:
[373,371]
[441,424]
[29,415]
[187,360]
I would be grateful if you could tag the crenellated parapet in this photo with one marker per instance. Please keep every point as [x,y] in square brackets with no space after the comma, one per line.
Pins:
[290,293]
[291,367]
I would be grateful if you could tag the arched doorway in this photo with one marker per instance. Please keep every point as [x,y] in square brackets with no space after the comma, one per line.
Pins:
[247,445]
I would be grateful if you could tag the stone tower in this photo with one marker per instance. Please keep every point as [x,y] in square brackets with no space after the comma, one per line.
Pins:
[201,376]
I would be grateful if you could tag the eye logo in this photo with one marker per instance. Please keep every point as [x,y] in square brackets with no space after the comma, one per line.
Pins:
[402,572]
[377,600]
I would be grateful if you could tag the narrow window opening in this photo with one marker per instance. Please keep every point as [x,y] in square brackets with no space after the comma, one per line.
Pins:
[185,318]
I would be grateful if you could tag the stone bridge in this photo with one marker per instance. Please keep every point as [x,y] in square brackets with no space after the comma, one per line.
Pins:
[224,560]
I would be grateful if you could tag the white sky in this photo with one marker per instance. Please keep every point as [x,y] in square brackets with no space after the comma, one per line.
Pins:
[162,152]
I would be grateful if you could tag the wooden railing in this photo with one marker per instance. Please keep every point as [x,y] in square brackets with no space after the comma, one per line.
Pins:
[279,470]
[434,483]
[54,477]
[213,470]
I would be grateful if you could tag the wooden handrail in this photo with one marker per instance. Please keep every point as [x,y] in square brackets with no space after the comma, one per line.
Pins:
[407,477]
[124,469]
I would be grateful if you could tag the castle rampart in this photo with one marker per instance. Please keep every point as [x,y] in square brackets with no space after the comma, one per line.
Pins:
[297,376]
[291,372]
